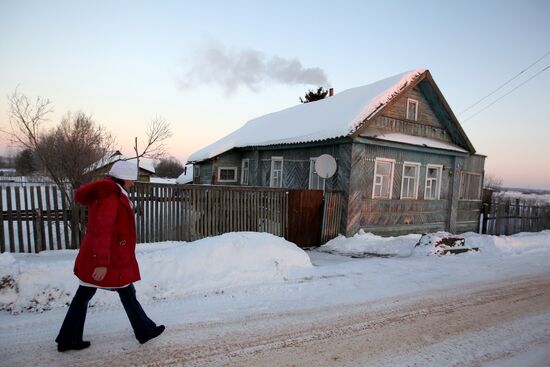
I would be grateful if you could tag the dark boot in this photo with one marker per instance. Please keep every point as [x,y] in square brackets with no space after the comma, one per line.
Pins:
[144,328]
[61,347]
[156,332]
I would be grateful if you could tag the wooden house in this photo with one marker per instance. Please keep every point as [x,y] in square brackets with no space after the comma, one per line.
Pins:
[100,168]
[404,163]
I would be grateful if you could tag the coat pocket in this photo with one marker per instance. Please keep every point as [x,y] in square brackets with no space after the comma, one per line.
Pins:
[121,254]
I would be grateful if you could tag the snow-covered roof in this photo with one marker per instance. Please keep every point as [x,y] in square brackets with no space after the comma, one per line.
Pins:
[332,117]
[112,157]
[108,158]
[186,176]
[417,140]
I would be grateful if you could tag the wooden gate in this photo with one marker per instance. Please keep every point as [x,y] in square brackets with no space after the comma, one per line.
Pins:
[305,213]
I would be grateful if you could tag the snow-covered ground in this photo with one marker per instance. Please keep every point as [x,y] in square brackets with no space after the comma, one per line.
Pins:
[244,275]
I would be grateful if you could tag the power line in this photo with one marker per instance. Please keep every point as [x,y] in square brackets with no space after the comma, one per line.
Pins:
[505,83]
[495,101]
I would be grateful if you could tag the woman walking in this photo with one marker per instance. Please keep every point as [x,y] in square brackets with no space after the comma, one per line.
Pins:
[107,257]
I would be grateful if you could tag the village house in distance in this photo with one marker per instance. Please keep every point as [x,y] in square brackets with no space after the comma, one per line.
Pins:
[100,168]
[404,163]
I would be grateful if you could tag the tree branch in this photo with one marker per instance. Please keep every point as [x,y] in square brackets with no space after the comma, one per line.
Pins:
[157,132]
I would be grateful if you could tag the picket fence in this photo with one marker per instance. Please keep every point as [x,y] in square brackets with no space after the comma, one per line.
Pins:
[37,218]
[506,216]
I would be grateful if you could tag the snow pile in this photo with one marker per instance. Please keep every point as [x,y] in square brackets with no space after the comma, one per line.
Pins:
[236,263]
[171,269]
[215,263]
[35,282]
[517,244]
[367,244]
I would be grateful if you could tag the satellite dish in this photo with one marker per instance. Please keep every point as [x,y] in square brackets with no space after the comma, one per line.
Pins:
[325,166]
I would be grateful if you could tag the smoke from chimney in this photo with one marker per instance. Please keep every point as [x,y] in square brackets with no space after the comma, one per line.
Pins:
[251,68]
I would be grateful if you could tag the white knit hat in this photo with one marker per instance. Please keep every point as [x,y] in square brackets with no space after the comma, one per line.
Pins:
[124,170]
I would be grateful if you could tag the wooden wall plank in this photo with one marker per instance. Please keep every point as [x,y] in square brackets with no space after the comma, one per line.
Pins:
[28,221]
[56,207]
[11,236]
[19,219]
[66,228]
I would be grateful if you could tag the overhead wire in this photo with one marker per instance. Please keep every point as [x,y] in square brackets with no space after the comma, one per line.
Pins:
[504,84]
[498,99]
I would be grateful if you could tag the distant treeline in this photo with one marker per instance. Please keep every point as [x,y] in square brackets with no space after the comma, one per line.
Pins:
[7,162]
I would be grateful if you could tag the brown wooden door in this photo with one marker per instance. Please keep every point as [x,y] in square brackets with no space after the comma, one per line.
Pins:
[305,213]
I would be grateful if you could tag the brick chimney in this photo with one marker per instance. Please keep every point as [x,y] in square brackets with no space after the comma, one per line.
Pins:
[331,92]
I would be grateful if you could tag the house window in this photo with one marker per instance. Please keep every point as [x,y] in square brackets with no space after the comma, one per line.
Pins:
[383,178]
[227,174]
[245,171]
[409,183]
[470,186]
[316,182]
[433,182]
[276,172]
[412,109]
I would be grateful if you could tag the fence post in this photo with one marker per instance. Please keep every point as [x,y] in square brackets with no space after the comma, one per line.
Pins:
[2,235]
[485,211]
[38,226]
[75,226]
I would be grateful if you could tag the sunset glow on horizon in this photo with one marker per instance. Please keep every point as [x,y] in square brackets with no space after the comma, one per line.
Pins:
[209,67]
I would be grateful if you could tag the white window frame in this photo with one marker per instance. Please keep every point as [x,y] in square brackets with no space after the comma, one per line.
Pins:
[245,173]
[412,101]
[320,181]
[272,172]
[234,169]
[463,189]
[374,184]
[438,181]
[416,179]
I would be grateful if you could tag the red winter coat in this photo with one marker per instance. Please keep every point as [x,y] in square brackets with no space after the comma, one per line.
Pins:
[110,239]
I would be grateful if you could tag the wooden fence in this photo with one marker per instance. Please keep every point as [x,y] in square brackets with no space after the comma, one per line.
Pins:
[36,218]
[332,215]
[506,216]
[188,213]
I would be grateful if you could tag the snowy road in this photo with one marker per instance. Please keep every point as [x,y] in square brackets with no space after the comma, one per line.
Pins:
[489,324]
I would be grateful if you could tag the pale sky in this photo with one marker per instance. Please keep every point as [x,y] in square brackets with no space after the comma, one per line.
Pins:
[207,67]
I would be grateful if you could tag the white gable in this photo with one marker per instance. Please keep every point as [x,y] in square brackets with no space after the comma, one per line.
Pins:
[332,117]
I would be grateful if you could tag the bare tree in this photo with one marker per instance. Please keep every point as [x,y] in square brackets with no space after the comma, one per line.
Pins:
[26,119]
[157,132]
[493,182]
[72,148]
[64,152]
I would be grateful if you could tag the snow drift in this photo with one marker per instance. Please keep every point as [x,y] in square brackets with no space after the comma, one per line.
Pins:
[37,282]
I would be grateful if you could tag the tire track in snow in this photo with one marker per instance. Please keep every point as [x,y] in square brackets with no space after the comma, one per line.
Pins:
[383,332]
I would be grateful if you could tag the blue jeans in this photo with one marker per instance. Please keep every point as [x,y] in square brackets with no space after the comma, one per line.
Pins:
[73,325]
